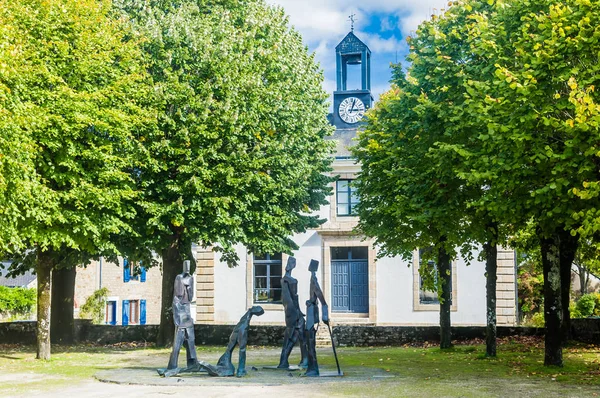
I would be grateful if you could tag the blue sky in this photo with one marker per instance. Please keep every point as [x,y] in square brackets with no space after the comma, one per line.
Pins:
[381,24]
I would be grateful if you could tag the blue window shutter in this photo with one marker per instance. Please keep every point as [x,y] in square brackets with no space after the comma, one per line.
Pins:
[142,311]
[125,316]
[143,276]
[126,273]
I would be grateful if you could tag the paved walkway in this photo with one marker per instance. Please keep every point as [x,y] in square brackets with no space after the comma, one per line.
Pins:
[143,381]
[96,389]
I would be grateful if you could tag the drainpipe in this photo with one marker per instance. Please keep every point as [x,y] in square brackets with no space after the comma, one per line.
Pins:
[100,272]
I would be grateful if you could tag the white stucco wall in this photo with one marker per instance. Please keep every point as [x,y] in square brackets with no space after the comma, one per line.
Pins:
[394,291]
[395,294]
[230,283]
[230,288]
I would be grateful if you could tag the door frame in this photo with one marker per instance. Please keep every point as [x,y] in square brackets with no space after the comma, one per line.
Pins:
[345,239]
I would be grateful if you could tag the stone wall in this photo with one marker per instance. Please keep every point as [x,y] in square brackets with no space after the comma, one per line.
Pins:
[587,330]
[359,336]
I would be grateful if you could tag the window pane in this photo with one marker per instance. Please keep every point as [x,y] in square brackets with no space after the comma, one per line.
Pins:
[339,253]
[260,257]
[342,185]
[276,295]
[261,295]
[342,210]
[276,283]
[428,297]
[354,198]
[360,253]
[110,307]
[276,270]
[133,311]
[276,256]
[260,283]
[342,197]
[260,270]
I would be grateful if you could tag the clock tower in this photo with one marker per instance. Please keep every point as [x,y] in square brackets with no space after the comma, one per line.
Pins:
[351,103]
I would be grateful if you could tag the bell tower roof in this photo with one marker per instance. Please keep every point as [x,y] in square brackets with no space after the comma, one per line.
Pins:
[351,45]
[352,51]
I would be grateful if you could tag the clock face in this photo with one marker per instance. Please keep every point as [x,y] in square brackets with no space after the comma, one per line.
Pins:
[352,110]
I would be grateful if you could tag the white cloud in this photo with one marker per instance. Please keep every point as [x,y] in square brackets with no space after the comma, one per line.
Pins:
[324,23]
[378,44]
[318,19]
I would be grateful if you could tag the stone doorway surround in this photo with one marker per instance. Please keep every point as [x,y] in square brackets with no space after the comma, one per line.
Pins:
[331,239]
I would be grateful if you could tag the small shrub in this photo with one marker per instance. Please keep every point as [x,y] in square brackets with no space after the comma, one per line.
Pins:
[573,311]
[586,305]
[17,302]
[94,306]
[597,307]
[536,320]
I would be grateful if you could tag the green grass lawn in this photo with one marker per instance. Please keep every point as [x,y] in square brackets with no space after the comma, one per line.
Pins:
[419,371]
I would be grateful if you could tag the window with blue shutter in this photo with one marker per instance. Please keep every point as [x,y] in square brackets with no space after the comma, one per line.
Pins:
[142,312]
[126,271]
[125,317]
[143,275]
[111,312]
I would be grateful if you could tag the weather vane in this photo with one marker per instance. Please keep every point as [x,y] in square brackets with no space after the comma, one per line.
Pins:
[352,20]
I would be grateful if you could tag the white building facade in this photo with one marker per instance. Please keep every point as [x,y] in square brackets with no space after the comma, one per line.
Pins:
[359,288]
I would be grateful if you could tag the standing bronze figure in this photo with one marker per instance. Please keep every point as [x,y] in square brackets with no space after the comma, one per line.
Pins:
[294,318]
[184,324]
[312,319]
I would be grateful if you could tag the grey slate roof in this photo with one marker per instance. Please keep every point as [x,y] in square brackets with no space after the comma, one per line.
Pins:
[19,281]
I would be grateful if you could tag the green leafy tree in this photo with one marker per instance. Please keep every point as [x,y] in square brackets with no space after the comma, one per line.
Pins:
[587,263]
[16,301]
[240,154]
[17,151]
[415,147]
[530,283]
[512,88]
[441,66]
[409,198]
[522,88]
[93,308]
[586,305]
[79,85]
[536,100]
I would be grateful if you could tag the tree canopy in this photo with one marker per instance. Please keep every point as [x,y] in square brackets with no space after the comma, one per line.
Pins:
[503,93]
[78,90]
[239,155]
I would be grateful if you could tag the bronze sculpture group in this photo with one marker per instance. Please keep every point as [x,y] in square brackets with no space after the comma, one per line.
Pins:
[297,328]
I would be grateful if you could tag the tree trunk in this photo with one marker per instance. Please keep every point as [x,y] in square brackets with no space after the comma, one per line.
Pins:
[44,293]
[62,327]
[568,249]
[552,300]
[445,274]
[584,278]
[172,266]
[586,281]
[491,271]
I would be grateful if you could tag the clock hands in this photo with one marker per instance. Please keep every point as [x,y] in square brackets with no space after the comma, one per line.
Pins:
[352,106]
[351,110]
